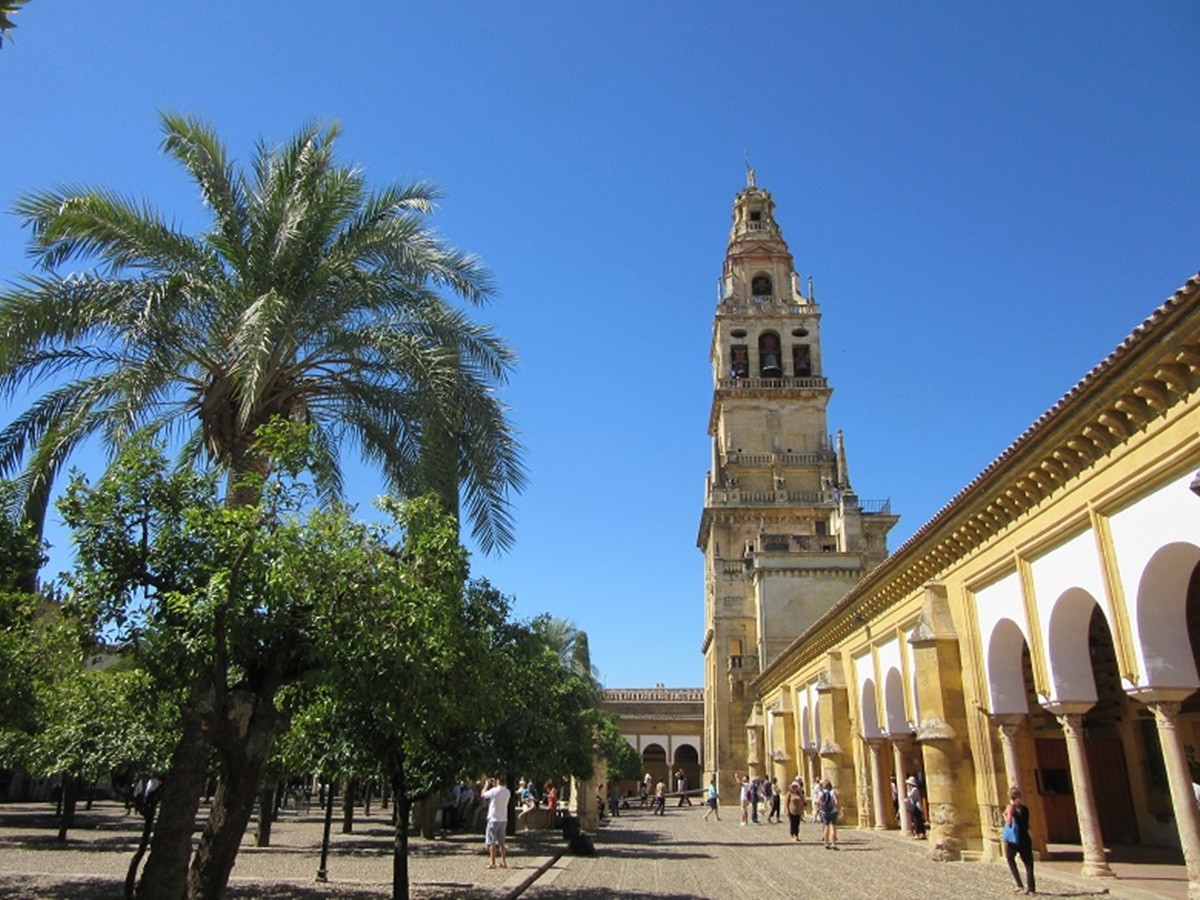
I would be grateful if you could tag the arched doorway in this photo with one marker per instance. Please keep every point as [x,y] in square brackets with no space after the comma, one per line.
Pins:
[654,761]
[687,761]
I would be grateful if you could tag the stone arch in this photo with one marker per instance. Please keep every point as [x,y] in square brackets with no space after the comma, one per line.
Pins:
[654,761]
[1006,680]
[1067,642]
[1161,609]
[893,702]
[687,760]
[868,710]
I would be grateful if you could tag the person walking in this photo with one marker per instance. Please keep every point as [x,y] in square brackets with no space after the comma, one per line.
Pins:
[1017,841]
[915,808]
[754,797]
[712,800]
[828,806]
[496,795]
[660,798]
[795,809]
[776,801]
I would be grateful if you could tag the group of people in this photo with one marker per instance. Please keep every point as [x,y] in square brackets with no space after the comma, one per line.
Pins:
[755,791]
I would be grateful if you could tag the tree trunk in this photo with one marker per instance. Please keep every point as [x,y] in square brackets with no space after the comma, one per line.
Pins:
[147,829]
[366,790]
[426,813]
[266,815]
[70,794]
[400,844]
[165,875]
[245,752]
[348,786]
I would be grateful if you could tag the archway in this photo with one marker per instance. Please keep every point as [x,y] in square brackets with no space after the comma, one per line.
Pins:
[1163,607]
[687,761]
[1083,663]
[654,761]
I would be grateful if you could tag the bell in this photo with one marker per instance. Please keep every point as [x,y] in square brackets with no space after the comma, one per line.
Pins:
[770,367]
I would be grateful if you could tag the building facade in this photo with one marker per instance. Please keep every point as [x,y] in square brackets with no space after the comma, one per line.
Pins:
[664,726]
[783,532]
[1042,630]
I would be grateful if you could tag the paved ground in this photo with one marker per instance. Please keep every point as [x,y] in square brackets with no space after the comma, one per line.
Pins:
[673,857]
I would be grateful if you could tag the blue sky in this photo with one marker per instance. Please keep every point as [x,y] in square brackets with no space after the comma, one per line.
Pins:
[988,196]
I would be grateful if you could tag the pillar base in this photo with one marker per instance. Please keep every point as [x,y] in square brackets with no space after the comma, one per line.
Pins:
[1097,870]
[1193,890]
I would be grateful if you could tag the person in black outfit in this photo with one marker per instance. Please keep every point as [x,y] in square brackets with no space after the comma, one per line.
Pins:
[1017,813]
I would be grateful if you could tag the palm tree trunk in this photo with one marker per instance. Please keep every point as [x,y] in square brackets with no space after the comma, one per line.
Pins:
[165,875]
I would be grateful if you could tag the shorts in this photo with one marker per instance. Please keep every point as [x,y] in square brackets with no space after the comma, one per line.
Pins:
[495,834]
[712,802]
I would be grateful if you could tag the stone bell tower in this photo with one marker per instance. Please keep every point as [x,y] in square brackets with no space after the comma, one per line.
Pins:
[783,533]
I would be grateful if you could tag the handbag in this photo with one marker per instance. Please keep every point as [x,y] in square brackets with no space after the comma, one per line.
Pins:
[1010,833]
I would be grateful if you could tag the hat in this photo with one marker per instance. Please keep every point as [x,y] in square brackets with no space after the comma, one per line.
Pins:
[910,780]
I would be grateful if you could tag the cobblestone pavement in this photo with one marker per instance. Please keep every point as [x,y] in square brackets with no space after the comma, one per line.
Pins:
[673,857]
[681,857]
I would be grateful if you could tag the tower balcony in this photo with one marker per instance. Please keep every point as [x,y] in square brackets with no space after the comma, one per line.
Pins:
[735,497]
[805,383]
[816,458]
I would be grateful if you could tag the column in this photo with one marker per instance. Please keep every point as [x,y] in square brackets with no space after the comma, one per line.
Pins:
[1179,777]
[1094,862]
[874,745]
[898,745]
[1007,727]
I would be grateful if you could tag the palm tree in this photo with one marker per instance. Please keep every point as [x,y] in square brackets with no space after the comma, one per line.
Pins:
[309,297]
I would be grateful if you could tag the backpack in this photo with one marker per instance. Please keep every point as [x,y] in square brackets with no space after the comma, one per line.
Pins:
[767,789]
[827,805]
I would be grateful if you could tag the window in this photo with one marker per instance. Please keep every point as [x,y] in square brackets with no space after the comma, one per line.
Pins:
[801,360]
[760,286]
[739,356]
[768,356]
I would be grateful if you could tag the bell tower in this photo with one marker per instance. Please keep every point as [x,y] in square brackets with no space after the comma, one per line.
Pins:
[783,533]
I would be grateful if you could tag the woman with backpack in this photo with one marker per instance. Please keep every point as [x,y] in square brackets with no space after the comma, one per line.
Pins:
[1017,841]
[828,800]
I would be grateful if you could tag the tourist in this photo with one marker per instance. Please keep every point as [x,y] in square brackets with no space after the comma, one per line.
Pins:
[682,782]
[1016,826]
[660,798]
[496,795]
[915,808]
[775,800]
[712,799]
[795,808]
[647,787]
[828,806]
[754,798]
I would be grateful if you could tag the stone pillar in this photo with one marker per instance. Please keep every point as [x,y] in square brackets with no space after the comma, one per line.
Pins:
[1187,818]
[1094,862]
[898,748]
[1007,726]
[874,746]
[837,764]
[943,729]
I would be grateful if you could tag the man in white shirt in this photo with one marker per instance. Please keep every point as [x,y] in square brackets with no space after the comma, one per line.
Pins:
[496,795]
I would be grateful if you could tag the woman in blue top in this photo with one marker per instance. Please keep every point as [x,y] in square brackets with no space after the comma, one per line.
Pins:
[1017,814]
[712,799]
